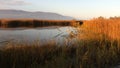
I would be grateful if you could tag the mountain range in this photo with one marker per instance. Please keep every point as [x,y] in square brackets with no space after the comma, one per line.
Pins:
[20,14]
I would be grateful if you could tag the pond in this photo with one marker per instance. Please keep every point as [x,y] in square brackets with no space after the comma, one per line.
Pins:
[42,34]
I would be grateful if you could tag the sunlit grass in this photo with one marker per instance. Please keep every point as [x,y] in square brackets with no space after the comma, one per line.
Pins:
[101,27]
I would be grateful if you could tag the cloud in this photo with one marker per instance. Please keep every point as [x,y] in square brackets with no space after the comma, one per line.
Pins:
[13,2]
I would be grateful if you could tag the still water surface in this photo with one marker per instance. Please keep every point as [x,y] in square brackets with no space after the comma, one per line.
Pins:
[44,34]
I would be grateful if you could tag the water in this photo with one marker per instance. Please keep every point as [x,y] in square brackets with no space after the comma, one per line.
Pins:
[43,35]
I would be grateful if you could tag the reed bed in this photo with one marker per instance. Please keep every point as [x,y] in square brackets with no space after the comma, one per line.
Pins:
[12,23]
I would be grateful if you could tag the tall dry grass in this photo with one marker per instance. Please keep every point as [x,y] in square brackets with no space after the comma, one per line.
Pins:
[102,28]
[84,54]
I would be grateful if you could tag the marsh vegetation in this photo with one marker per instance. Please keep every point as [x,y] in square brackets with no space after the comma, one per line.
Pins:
[12,23]
[98,46]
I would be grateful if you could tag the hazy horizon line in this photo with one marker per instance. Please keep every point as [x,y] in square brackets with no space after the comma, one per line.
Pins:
[59,14]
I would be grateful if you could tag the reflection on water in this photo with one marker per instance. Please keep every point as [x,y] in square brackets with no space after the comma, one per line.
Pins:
[59,34]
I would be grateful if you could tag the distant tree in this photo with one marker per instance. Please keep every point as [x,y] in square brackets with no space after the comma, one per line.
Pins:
[111,18]
[101,17]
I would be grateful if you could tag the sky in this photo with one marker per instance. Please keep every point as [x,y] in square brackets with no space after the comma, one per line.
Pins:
[80,9]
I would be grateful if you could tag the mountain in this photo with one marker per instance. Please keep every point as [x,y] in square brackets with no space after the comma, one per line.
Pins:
[18,14]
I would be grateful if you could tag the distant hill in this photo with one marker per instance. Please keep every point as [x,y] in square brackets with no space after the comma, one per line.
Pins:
[18,14]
